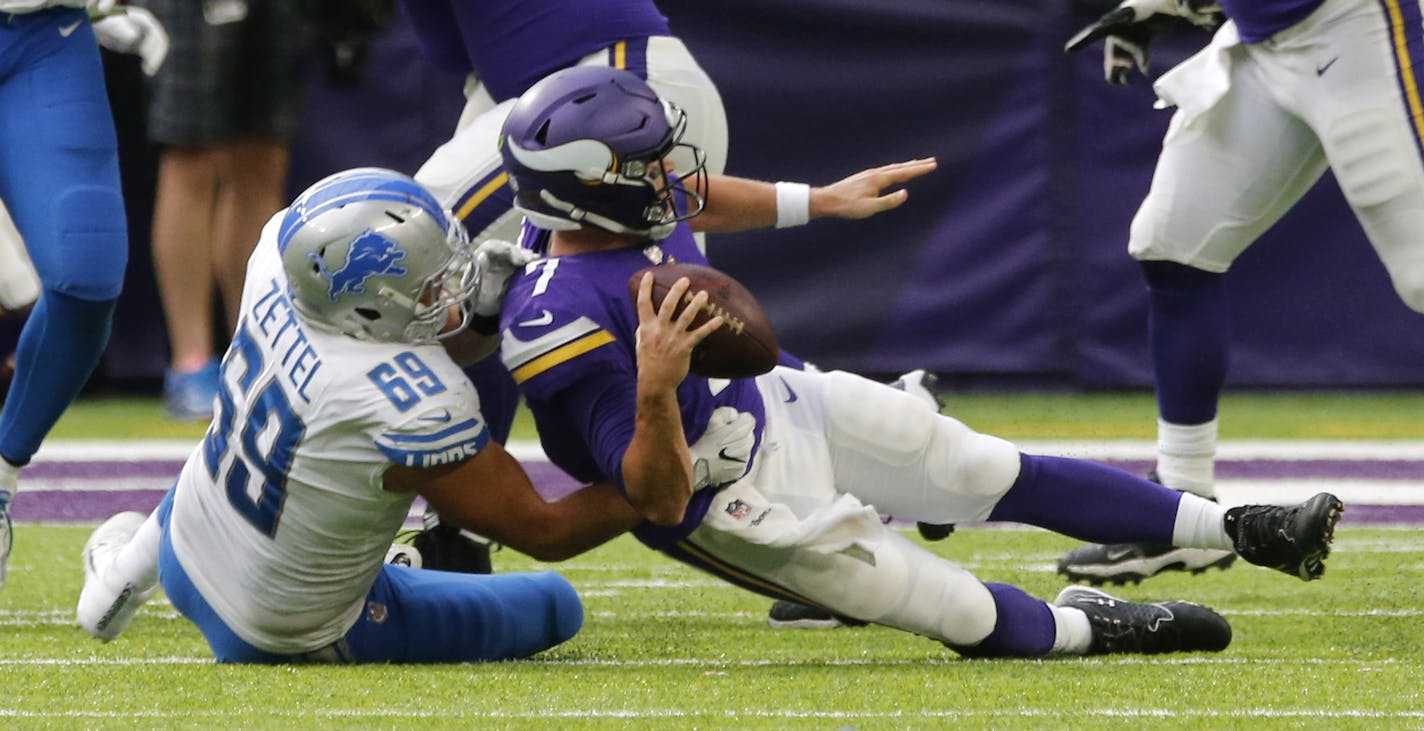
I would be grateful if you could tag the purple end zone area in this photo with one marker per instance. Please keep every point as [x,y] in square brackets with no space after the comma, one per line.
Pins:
[87,492]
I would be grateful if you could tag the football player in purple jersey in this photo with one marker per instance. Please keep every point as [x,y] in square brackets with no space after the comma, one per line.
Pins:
[588,151]
[504,48]
[1285,90]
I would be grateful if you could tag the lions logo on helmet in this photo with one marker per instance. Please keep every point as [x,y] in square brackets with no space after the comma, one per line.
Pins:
[372,254]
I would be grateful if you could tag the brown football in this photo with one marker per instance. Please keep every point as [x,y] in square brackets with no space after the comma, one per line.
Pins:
[744,346]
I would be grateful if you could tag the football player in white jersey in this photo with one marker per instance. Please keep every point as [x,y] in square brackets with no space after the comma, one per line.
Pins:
[1285,90]
[339,404]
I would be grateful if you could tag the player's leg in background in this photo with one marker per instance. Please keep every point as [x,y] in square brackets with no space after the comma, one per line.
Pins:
[183,264]
[675,75]
[182,240]
[260,61]
[19,283]
[252,171]
[1366,107]
[59,176]
[1225,176]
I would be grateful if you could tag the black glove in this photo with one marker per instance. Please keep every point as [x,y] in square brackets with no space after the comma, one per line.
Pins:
[1131,26]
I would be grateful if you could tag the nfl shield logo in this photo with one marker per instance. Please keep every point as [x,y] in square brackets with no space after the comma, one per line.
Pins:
[738,509]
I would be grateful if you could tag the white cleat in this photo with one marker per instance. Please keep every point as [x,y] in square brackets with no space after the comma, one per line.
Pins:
[104,612]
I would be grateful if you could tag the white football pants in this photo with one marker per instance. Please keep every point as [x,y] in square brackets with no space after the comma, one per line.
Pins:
[838,451]
[1258,124]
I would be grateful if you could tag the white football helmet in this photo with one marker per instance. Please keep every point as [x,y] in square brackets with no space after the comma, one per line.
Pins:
[372,254]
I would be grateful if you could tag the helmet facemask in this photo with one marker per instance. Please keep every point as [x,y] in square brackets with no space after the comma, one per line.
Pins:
[450,287]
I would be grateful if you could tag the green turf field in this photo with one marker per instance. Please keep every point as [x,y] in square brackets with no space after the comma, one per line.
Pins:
[664,647]
[1050,415]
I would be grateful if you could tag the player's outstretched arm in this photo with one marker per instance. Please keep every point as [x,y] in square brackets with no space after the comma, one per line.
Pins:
[742,204]
[658,471]
[491,494]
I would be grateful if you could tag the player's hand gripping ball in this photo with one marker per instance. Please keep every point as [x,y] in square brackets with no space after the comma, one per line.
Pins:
[744,346]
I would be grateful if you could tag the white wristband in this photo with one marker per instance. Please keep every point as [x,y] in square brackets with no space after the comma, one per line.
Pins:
[793,204]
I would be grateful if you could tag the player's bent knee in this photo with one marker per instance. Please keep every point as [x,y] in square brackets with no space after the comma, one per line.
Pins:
[966,462]
[565,606]
[93,244]
[872,417]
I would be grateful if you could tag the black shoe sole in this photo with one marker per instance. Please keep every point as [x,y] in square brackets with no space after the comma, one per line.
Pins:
[1328,508]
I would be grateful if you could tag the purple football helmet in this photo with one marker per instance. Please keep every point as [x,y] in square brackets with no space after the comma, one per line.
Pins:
[579,147]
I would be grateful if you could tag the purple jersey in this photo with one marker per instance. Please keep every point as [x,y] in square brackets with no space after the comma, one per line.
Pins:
[568,339]
[1257,20]
[510,44]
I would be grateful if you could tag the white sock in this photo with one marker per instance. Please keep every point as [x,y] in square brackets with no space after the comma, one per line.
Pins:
[1200,523]
[1073,633]
[137,562]
[9,480]
[1186,457]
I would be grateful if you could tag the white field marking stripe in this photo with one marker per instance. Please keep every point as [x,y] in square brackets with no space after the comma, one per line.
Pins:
[1284,449]
[1289,491]
[98,484]
[614,713]
[65,450]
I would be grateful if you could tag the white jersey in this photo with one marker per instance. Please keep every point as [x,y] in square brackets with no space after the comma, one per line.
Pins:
[280,517]
[30,6]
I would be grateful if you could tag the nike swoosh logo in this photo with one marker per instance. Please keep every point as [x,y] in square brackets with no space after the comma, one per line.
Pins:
[1320,70]
[439,418]
[66,30]
[1118,553]
[543,319]
[723,454]
[790,394]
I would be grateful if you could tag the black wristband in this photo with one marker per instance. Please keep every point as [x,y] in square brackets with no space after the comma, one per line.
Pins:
[484,324]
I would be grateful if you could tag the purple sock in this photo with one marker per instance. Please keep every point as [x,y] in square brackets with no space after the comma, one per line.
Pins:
[1088,501]
[1187,329]
[1024,626]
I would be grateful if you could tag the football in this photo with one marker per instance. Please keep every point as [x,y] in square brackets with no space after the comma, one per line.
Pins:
[744,346]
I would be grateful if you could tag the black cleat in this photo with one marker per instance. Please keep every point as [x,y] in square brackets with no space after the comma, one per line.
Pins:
[442,547]
[1121,626]
[934,531]
[1120,563]
[447,548]
[1294,540]
[786,614]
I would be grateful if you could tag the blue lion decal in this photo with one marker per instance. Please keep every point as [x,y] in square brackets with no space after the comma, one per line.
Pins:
[370,255]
